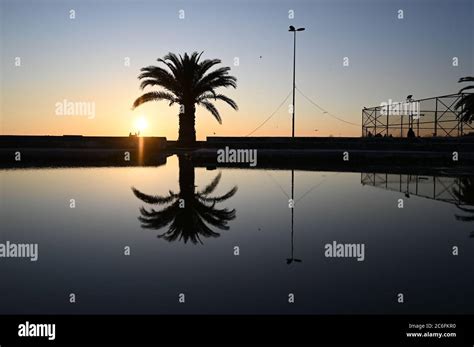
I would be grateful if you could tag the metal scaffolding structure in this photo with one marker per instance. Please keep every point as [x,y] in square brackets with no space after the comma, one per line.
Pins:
[438,188]
[426,117]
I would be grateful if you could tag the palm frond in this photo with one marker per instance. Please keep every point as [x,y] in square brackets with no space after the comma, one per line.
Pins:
[211,108]
[214,76]
[221,198]
[465,88]
[153,199]
[211,186]
[155,75]
[464,101]
[222,97]
[173,58]
[155,96]
[205,65]
[466,79]
[151,219]
[466,104]
[225,81]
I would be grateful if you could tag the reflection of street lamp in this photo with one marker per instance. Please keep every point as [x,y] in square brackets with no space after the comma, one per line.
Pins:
[292,29]
[290,260]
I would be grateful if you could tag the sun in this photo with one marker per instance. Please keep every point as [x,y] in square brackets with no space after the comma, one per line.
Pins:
[141,124]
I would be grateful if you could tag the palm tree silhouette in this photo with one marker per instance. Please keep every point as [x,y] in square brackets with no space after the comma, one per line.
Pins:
[465,194]
[187,83]
[466,103]
[189,213]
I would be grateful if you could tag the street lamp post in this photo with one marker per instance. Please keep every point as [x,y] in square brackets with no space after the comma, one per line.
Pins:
[294,30]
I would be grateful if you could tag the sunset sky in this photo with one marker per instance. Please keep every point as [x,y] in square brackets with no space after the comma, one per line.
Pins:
[83,60]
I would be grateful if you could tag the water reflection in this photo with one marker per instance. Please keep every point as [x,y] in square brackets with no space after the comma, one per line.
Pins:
[458,191]
[189,214]
[292,258]
[465,193]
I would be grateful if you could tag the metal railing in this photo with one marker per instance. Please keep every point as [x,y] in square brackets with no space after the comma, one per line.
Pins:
[446,189]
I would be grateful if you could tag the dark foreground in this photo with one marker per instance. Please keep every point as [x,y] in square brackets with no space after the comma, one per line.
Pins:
[243,330]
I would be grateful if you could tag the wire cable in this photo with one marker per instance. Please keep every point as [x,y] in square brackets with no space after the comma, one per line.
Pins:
[266,120]
[324,110]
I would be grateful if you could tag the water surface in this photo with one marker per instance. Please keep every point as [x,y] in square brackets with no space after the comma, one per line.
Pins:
[190,249]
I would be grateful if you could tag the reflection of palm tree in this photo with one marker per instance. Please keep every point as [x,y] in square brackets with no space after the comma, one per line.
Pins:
[189,213]
[187,82]
[465,194]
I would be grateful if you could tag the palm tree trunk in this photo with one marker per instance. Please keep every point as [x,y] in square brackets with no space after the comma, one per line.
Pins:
[186,177]
[187,132]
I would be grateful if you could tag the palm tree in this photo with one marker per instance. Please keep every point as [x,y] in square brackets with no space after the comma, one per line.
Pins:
[187,83]
[188,213]
[466,103]
[465,194]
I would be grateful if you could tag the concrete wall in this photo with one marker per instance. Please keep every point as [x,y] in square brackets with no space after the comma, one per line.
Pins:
[96,142]
[38,151]
[375,143]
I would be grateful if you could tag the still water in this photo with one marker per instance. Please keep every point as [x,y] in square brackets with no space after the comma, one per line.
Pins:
[182,225]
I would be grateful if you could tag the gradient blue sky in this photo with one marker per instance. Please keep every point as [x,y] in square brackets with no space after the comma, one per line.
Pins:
[83,60]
